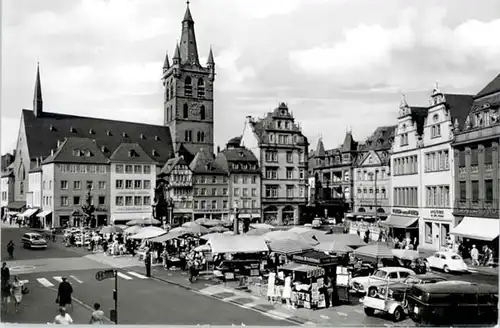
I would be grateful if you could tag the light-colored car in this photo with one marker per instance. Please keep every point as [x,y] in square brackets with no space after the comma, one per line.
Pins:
[33,240]
[369,285]
[447,261]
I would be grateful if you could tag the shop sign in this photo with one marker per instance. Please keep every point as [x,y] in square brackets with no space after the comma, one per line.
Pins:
[405,212]
[128,209]
[313,260]
[211,210]
[437,214]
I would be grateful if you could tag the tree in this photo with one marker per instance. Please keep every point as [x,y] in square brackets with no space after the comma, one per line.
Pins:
[88,208]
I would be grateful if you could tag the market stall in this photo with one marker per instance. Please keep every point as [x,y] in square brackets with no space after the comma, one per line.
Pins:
[307,280]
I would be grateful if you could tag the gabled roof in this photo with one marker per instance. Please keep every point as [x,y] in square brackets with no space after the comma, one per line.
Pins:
[237,155]
[108,134]
[130,152]
[492,87]
[371,153]
[8,173]
[418,115]
[459,107]
[171,163]
[204,163]
[79,151]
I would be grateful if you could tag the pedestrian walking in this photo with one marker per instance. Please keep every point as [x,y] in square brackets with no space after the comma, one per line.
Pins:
[147,263]
[474,253]
[6,290]
[17,289]
[5,272]
[64,293]
[10,249]
[97,317]
[63,318]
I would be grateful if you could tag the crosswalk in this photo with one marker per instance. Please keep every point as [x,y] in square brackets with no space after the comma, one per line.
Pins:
[55,280]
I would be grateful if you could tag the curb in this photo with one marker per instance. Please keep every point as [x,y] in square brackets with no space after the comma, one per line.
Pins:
[295,320]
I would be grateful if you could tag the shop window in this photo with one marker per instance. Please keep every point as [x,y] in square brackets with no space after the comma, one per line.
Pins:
[463,190]
[428,232]
[445,230]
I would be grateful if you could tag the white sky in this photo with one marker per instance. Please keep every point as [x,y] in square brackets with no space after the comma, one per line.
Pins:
[337,63]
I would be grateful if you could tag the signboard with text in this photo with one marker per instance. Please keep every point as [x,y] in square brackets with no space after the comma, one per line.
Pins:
[400,211]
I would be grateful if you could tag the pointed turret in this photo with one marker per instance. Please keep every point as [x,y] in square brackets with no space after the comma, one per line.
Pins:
[210,60]
[349,143]
[37,98]
[188,48]
[166,64]
[177,55]
[320,149]
[404,109]
[403,103]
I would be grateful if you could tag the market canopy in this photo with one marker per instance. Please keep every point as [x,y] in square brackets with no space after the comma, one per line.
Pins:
[261,226]
[405,254]
[375,251]
[133,229]
[306,232]
[288,246]
[400,221]
[313,257]
[286,234]
[238,244]
[477,228]
[333,247]
[292,266]
[148,232]
[111,229]
[168,236]
[257,232]
[195,228]
[349,239]
[43,214]
[208,222]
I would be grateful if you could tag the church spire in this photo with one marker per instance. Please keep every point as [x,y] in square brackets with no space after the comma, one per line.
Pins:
[166,64]
[188,48]
[210,60]
[37,98]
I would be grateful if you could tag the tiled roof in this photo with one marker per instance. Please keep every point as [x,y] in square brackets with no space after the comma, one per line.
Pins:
[204,163]
[44,132]
[171,163]
[418,115]
[380,139]
[77,150]
[349,143]
[493,86]
[237,155]
[130,152]
[459,106]
[320,149]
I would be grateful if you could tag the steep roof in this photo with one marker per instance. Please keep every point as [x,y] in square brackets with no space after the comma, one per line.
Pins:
[418,115]
[493,86]
[204,163]
[380,139]
[320,149]
[459,107]
[349,143]
[230,156]
[43,133]
[130,152]
[79,151]
[171,163]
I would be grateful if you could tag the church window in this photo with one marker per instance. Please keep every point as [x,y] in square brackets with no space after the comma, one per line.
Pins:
[188,135]
[201,88]
[202,112]
[185,111]
[172,90]
[168,92]
[188,87]
[203,137]
[199,136]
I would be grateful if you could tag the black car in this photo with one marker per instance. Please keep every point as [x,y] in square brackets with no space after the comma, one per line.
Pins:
[398,290]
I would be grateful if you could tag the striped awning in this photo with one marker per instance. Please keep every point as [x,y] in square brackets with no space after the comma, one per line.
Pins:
[288,246]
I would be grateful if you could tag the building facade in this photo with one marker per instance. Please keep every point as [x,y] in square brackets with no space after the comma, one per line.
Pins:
[179,178]
[372,175]
[244,179]
[278,143]
[132,177]
[210,187]
[477,169]
[189,96]
[7,181]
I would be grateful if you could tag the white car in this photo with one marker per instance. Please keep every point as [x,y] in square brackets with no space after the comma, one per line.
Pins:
[447,261]
[369,285]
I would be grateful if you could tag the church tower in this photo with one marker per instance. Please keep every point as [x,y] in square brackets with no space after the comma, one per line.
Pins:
[188,102]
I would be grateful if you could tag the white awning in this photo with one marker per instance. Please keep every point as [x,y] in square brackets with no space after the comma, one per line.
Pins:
[29,212]
[43,214]
[477,228]
[246,215]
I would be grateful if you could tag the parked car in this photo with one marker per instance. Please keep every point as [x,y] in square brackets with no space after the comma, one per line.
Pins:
[397,289]
[33,240]
[447,261]
[369,285]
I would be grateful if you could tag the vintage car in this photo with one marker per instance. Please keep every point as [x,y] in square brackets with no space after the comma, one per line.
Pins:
[369,285]
[33,240]
[447,261]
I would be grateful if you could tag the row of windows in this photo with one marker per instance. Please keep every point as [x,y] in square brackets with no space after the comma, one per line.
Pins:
[335,177]
[437,196]
[272,191]
[135,169]
[78,200]
[188,136]
[436,131]
[203,192]
[83,168]
[370,176]
[244,166]
[4,195]
[213,179]
[203,205]
[283,139]
[405,165]
[272,156]
[488,190]
[180,177]
[369,192]
[133,184]
[474,155]
[245,179]
[437,161]
[188,88]
[406,196]
[77,185]
[272,173]
[244,192]
[182,192]
[132,200]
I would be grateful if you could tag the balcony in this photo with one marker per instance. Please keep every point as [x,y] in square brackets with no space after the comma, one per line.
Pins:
[486,209]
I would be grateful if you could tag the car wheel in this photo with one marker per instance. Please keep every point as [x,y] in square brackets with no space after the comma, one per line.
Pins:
[398,314]
[372,292]
[369,311]
[446,269]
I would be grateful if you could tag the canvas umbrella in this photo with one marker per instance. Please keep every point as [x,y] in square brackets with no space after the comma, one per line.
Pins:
[203,248]
[207,222]
[217,229]
[148,232]
[111,229]
[288,246]
[261,226]
[257,232]
[133,229]
[180,229]
[333,247]
[375,251]
[134,222]
[405,254]
[210,236]
[284,234]
[197,229]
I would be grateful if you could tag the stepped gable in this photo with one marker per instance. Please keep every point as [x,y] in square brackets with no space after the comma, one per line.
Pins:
[79,151]
[43,133]
[131,152]
[204,163]
[492,87]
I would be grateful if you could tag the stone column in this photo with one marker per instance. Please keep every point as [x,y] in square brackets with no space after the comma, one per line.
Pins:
[468,179]
[480,163]
[456,174]
[496,173]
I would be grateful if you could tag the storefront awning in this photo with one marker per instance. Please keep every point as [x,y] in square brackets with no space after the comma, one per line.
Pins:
[477,228]
[29,212]
[399,221]
[43,214]
[16,205]
[238,244]
[246,215]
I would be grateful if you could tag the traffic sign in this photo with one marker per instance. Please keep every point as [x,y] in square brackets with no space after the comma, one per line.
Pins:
[101,275]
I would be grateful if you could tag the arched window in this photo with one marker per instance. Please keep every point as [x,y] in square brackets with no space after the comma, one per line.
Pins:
[202,137]
[186,135]
[201,88]
[22,172]
[188,87]
[198,136]
[168,91]
[202,112]
[185,111]
[172,90]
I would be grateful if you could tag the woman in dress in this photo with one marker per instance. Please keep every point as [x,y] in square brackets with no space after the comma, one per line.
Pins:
[17,292]
[287,291]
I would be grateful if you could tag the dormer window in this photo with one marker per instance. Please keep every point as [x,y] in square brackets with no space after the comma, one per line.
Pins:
[77,152]
[435,117]
[88,153]
[241,154]
[132,153]
[143,136]
[157,138]
[52,128]
[379,142]
[91,131]
[154,153]
[124,135]
[104,149]
[279,124]
[108,133]
[72,130]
